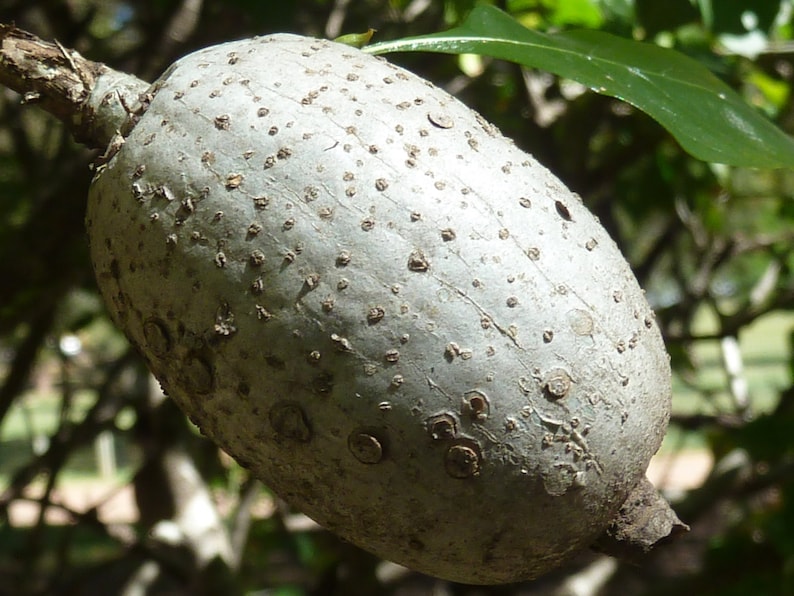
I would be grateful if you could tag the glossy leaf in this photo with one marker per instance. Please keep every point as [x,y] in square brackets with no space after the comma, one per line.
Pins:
[709,119]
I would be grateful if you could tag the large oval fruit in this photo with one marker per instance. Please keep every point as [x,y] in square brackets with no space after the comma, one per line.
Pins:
[403,324]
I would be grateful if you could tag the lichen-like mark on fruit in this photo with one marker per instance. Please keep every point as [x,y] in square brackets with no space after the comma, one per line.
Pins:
[367,445]
[323,383]
[158,339]
[581,322]
[197,375]
[289,423]
[463,459]
[562,477]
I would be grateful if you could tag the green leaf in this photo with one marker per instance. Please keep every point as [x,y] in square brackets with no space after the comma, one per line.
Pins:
[709,119]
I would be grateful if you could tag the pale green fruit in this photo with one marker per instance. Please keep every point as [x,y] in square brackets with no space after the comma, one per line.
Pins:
[400,322]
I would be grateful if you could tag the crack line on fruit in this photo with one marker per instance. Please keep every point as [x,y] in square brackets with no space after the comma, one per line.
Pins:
[577,438]
[490,436]
[433,385]
[481,311]
[546,421]
[484,201]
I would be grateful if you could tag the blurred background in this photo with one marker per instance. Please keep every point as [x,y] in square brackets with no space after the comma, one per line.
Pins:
[100,475]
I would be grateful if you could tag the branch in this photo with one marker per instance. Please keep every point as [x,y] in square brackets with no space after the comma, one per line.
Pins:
[92,99]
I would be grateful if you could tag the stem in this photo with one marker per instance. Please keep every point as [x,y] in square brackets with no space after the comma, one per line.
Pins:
[92,99]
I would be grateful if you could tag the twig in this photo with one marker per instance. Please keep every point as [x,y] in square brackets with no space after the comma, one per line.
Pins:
[62,82]
[694,422]
[56,79]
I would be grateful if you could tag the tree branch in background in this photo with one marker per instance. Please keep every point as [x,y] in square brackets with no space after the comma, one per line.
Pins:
[23,362]
[241,520]
[111,399]
[180,28]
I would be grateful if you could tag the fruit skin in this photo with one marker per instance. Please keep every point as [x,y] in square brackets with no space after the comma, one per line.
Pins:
[400,322]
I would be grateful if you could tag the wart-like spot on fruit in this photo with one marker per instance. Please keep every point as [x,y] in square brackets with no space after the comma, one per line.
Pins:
[476,405]
[442,426]
[233,180]
[562,210]
[256,258]
[417,261]
[311,281]
[223,122]
[262,313]
[343,258]
[342,343]
[557,383]
[448,234]
[253,229]
[375,315]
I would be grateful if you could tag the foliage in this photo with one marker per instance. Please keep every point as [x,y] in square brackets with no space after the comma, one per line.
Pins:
[710,243]
[709,120]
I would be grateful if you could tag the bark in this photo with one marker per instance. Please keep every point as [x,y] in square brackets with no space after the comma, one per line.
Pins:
[68,86]
[644,521]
